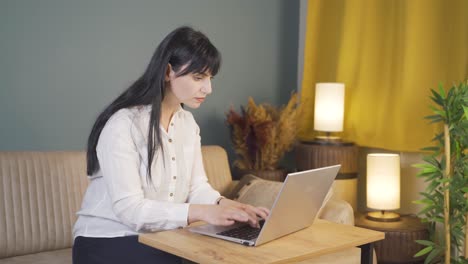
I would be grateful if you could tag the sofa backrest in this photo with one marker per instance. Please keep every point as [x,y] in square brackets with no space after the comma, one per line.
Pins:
[217,169]
[41,192]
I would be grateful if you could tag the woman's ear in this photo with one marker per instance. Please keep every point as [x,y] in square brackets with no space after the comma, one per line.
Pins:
[167,76]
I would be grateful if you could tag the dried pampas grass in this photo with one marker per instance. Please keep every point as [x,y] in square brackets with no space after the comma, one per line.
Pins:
[262,134]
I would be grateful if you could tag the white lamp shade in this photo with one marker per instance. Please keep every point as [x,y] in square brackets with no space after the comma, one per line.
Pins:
[383,181]
[329,107]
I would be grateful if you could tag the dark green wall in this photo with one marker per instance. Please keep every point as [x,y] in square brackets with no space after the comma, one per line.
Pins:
[61,61]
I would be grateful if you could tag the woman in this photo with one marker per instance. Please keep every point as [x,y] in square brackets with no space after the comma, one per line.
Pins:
[147,125]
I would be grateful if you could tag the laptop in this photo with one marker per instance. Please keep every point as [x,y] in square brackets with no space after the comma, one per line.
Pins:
[296,207]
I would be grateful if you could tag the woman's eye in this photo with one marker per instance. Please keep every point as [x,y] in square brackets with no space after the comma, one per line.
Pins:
[198,78]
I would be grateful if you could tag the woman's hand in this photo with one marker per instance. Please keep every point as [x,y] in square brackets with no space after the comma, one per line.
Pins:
[226,213]
[254,212]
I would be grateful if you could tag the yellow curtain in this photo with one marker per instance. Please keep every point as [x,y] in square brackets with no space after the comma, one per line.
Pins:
[389,54]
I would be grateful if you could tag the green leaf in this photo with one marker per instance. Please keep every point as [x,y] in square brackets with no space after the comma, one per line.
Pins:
[433,149]
[421,165]
[427,209]
[437,98]
[431,160]
[434,253]
[423,251]
[432,186]
[428,196]
[430,117]
[441,91]
[434,118]
[443,180]
[425,242]
[424,201]
[441,113]
[433,121]
[438,137]
[430,169]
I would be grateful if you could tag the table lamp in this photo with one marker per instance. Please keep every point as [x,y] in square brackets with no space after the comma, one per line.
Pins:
[325,149]
[383,186]
[329,109]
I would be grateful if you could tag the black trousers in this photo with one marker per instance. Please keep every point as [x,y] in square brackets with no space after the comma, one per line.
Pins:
[118,250]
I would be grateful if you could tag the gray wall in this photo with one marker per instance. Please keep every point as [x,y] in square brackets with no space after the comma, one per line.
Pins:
[61,61]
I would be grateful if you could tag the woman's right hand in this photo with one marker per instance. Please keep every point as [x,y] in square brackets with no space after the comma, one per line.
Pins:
[218,215]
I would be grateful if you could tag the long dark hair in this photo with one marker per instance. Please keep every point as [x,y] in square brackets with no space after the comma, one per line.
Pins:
[183,46]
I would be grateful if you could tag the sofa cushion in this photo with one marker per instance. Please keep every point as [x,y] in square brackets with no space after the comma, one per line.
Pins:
[63,256]
[338,211]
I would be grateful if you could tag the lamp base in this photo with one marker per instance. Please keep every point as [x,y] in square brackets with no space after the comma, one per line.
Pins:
[327,138]
[383,216]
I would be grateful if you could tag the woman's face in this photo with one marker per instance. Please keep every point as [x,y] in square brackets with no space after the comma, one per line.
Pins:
[190,89]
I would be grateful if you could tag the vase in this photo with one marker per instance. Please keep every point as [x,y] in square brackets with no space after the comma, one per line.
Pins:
[272,175]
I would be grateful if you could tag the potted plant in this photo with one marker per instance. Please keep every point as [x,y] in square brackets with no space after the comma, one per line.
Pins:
[445,199]
[261,135]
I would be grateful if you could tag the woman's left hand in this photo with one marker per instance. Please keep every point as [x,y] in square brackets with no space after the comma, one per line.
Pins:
[253,211]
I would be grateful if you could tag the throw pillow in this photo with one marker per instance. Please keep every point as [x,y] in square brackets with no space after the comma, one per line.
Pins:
[256,191]
[259,192]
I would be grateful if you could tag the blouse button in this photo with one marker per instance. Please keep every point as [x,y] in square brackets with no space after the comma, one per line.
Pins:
[170,140]
[172,124]
[171,194]
[173,158]
[174,177]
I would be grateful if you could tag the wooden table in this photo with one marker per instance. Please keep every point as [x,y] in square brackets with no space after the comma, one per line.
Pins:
[321,238]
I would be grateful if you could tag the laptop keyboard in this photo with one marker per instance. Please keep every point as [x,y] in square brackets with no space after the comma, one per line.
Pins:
[245,232]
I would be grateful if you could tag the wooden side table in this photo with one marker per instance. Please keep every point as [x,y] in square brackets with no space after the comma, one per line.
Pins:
[398,245]
[316,154]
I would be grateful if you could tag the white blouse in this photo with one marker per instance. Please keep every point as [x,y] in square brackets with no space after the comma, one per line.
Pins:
[120,201]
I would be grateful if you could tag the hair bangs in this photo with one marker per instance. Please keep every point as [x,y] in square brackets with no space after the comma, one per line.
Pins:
[204,59]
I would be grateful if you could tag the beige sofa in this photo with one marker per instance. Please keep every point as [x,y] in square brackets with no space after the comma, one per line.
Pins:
[41,191]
